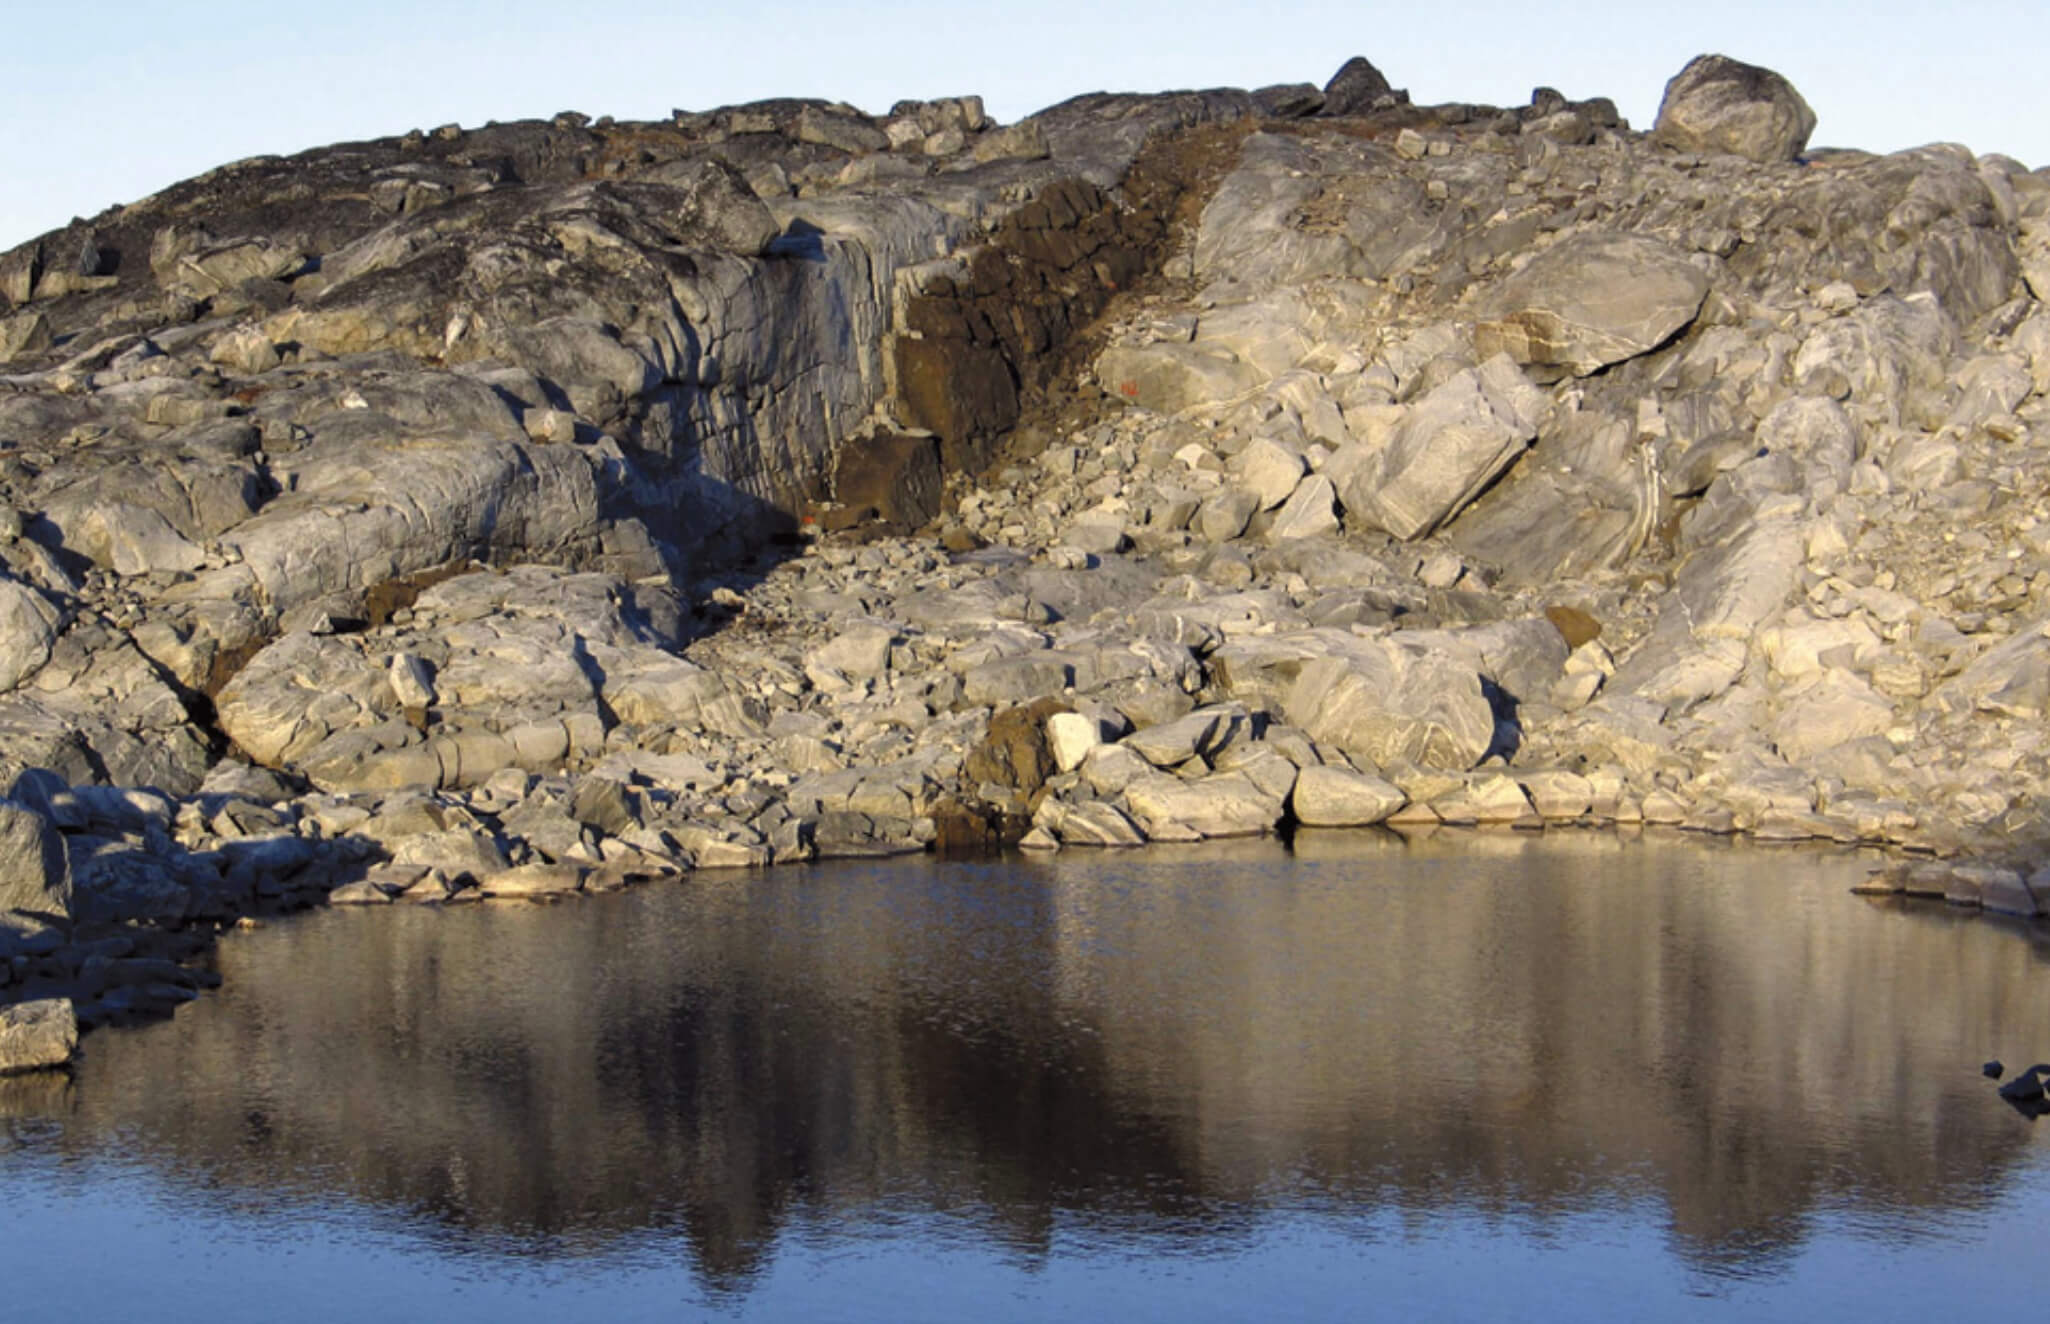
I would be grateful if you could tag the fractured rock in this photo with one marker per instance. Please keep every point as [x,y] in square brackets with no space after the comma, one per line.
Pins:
[1590,301]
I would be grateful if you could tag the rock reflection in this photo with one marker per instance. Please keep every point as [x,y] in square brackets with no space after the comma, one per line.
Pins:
[1162,1045]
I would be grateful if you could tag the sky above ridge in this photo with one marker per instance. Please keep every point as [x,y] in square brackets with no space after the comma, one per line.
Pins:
[103,104]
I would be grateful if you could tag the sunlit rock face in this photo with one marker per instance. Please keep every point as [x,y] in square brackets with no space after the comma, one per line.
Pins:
[1514,1023]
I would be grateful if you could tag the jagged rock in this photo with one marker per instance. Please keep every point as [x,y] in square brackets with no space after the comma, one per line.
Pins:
[533,880]
[1311,511]
[1071,737]
[28,628]
[1166,376]
[1450,445]
[1716,104]
[1170,744]
[1356,88]
[558,474]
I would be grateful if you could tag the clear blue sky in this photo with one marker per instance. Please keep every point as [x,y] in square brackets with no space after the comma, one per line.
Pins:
[104,103]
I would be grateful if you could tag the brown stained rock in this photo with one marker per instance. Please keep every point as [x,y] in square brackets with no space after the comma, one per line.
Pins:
[1575,626]
[1015,752]
[889,478]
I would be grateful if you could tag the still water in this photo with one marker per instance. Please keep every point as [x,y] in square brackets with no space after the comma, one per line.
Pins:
[1564,1076]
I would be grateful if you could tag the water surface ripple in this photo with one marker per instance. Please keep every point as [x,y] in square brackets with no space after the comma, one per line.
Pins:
[1564,1073]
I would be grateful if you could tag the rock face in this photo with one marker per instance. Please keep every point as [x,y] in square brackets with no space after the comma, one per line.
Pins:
[542,509]
[1717,104]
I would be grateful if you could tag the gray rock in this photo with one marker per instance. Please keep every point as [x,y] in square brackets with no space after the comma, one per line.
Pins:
[1268,471]
[35,1036]
[1221,805]
[1340,797]
[1173,743]
[533,881]
[28,628]
[1590,301]
[1095,824]
[1311,511]
[35,878]
[1716,104]
[1355,89]
[1166,376]
[1448,446]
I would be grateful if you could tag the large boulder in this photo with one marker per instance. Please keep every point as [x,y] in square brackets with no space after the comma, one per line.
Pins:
[1717,104]
[1449,446]
[1340,797]
[1227,804]
[1593,300]
[1381,700]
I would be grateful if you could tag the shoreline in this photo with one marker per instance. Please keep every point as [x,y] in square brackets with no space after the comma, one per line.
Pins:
[552,506]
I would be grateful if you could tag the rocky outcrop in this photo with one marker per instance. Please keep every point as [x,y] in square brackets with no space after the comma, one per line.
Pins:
[533,510]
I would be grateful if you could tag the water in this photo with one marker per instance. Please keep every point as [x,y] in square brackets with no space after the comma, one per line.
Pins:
[1561,1075]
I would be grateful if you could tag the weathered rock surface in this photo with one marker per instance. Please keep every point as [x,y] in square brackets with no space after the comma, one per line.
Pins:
[35,1036]
[1591,301]
[543,509]
[1717,104]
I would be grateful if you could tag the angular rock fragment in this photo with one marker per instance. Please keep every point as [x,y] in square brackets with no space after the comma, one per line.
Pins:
[1590,301]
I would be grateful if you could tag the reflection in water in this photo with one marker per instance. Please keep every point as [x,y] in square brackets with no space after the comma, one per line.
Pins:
[1158,1049]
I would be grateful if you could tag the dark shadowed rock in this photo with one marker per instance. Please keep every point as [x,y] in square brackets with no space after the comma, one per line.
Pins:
[717,203]
[1717,104]
[1288,101]
[1355,88]
[35,884]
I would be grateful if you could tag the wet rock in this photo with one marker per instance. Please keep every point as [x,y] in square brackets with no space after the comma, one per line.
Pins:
[1093,824]
[533,881]
[38,1035]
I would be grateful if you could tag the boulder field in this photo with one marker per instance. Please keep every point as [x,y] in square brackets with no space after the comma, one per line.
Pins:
[534,509]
